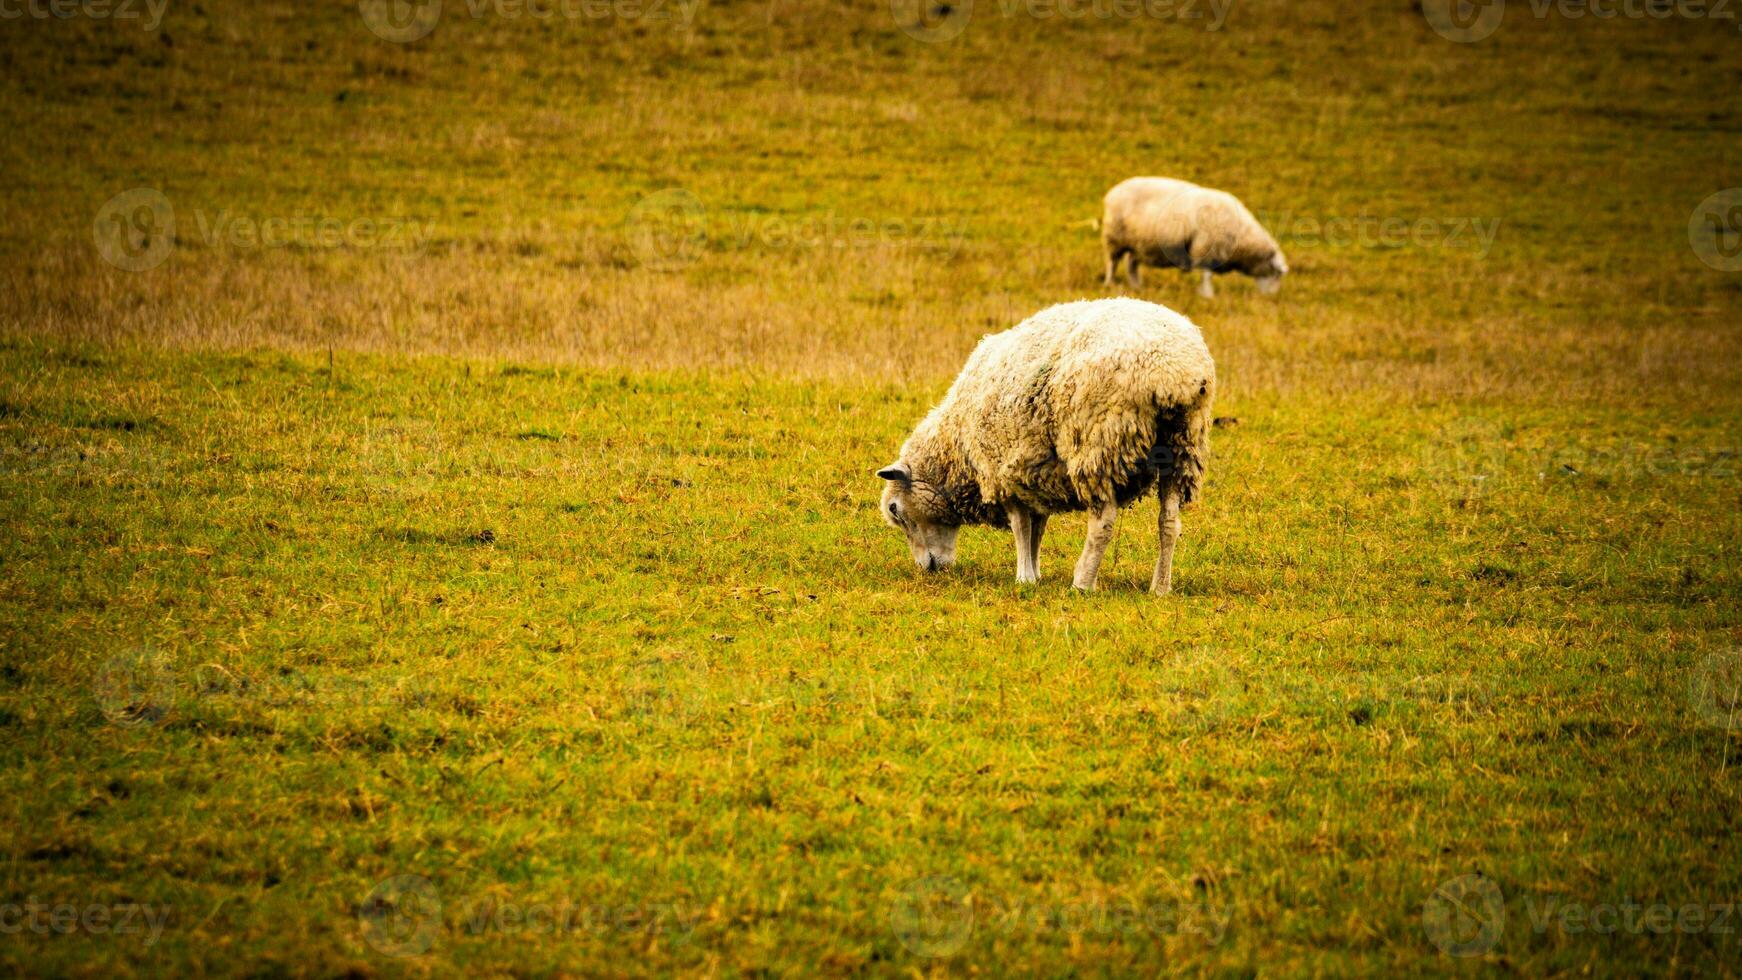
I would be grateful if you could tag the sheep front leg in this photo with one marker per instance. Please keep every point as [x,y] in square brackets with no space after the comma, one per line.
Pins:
[1169,527]
[1101,520]
[1131,274]
[1205,288]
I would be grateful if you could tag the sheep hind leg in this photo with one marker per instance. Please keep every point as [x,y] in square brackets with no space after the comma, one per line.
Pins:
[1206,289]
[1036,528]
[1169,526]
[1027,527]
[1132,275]
[1101,522]
[1020,522]
[1113,257]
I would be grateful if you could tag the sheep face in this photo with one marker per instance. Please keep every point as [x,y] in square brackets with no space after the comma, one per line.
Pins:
[1269,275]
[911,506]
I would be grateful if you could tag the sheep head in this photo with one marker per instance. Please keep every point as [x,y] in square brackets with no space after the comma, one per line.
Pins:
[1269,274]
[914,507]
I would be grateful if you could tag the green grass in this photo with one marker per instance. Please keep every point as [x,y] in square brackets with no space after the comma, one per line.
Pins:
[669,658]
[513,601]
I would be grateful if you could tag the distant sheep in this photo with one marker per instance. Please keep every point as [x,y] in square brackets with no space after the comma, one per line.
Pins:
[1084,406]
[1176,224]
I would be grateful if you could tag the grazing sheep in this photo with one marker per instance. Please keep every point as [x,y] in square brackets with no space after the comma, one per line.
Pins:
[1173,223]
[1084,406]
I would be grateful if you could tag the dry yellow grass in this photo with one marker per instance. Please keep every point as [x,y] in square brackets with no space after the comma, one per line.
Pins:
[1584,145]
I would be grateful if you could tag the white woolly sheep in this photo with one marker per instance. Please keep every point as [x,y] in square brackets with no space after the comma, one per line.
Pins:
[1170,223]
[1084,406]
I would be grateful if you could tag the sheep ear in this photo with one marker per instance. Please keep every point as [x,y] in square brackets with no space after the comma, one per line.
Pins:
[896,472]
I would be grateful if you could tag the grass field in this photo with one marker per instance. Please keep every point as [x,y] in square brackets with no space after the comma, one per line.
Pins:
[442,537]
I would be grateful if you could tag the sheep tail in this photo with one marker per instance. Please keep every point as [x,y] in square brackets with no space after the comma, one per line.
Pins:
[1093,224]
[1190,439]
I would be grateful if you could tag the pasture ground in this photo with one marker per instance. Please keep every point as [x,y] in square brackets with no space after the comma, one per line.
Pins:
[509,596]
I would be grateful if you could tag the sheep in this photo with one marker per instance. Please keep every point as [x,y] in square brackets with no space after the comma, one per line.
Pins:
[1174,223]
[1084,406]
